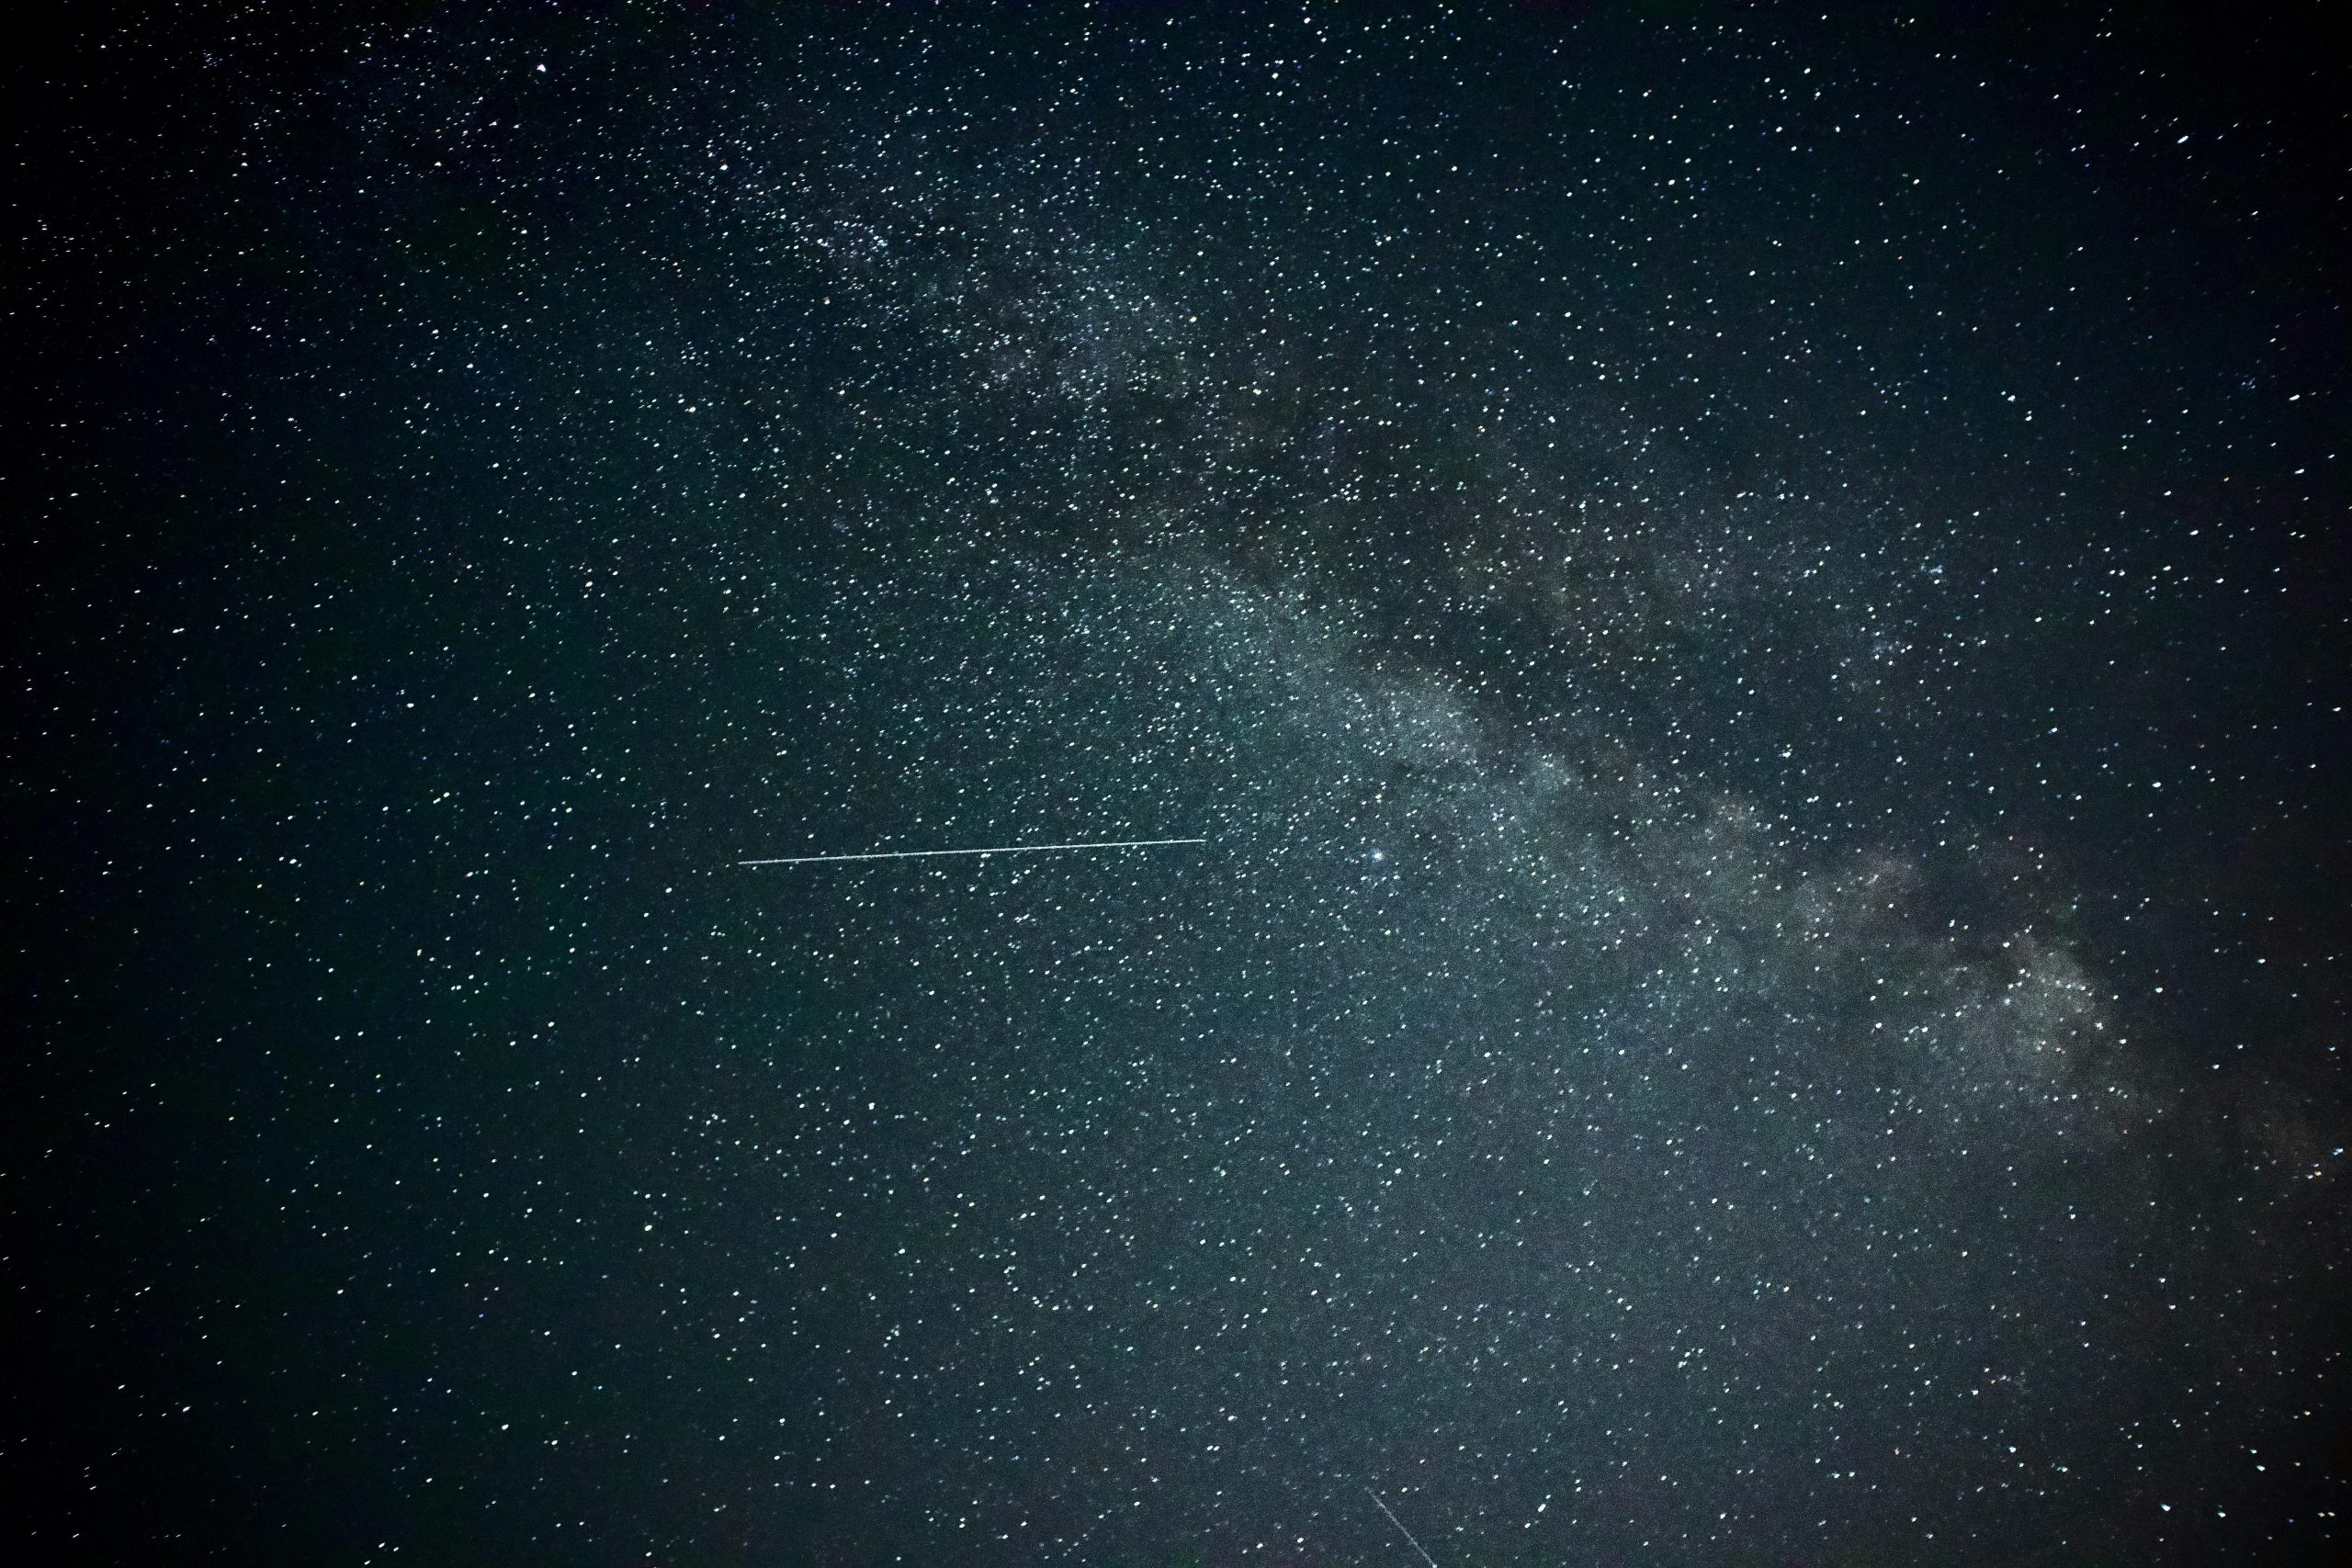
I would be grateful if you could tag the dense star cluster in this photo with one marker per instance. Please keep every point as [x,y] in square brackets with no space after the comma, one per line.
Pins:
[1743,604]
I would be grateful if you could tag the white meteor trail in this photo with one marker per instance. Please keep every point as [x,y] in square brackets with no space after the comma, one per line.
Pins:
[997,850]
[1400,1526]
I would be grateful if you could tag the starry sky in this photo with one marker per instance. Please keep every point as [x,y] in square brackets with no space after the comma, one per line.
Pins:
[1746,601]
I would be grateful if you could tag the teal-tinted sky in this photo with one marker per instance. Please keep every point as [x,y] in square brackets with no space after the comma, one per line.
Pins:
[1746,605]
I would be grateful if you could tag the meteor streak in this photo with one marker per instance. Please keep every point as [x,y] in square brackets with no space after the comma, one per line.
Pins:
[997,850]
[1400,1526]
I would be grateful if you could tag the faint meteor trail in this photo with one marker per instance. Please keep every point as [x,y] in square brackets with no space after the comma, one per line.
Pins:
[997,850]
[1400,1526]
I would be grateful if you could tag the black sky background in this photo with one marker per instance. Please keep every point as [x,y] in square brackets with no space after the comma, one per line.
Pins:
[1748,603]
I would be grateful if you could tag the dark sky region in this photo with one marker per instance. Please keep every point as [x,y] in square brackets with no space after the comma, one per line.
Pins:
[1748,601]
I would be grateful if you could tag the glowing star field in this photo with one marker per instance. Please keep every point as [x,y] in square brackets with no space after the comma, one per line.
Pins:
[1310,785]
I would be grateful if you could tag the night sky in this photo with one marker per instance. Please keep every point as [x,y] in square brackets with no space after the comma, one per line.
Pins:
[1748,603]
